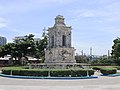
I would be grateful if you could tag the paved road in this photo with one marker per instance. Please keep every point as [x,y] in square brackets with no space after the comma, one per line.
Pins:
[102,83]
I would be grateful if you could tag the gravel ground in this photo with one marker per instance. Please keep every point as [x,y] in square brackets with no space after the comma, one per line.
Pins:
[102,83]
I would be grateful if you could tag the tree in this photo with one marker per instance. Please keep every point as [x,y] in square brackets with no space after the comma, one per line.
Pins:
[116,50]
[9,49]
[24,47]
[41,46]
[82,59]
[2,51]
[102,60]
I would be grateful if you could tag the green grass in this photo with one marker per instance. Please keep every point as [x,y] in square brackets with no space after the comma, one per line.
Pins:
[118,72]
[104,66]
[117,67]
[13,68]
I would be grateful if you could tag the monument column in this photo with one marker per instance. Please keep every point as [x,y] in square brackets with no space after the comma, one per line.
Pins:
[59,49]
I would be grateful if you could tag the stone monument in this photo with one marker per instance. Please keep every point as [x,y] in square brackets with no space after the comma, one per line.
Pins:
[59,53]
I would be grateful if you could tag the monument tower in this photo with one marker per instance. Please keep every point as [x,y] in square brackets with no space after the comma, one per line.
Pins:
[59,51]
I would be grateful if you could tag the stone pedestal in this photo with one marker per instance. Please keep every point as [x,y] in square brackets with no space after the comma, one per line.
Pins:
[59,55]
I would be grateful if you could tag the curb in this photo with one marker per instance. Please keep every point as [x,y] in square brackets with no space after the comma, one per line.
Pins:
[111,75]
[32,77]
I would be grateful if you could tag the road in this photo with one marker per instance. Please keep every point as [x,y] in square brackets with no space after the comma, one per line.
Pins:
[102,83]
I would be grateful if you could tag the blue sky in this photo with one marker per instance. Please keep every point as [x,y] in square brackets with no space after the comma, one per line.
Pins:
[95,23]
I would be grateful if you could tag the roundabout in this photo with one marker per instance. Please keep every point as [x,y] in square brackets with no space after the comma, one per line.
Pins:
[101,83]
[60,78]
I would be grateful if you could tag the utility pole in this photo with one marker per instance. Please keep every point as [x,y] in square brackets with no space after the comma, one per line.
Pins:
[90,53]
[108,54]
[44,32]
[82,52]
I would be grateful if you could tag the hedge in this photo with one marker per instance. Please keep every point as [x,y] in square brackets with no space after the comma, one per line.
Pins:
[46,72]
[118,67]
[107,71]
[96,67]
[99,67]
[72,73]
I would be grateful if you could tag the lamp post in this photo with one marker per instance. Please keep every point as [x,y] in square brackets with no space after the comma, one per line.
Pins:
[11,72]
[87,70]
[89,60]
[49,73]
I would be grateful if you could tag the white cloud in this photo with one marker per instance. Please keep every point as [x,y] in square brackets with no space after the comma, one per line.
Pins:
[62,1]
[3,22]
[17,31]
[2,25]
[111,30]
[109,11]
[28,5]
[20,6]
[104,18]
[93,13]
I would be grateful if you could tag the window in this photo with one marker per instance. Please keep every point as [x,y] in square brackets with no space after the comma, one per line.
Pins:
[63,40]
[52,41]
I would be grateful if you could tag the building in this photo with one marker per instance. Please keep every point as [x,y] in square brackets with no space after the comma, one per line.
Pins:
[3,41]
[19,37]
[37,40]
[59,51]
[4,61]
[23,37]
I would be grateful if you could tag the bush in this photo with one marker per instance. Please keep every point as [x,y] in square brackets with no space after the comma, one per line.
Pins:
[71,72]
[107,71]
[25,67]
[26,72]
[118,67]
[45,72]
[60,72]
[96,67]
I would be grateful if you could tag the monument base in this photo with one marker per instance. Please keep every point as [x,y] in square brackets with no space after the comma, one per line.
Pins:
[60,56]
[59,66]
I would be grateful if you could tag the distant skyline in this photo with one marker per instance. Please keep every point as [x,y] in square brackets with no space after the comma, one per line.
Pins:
[95,23]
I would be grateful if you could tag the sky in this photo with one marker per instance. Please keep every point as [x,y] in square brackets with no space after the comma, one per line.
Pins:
[95,23]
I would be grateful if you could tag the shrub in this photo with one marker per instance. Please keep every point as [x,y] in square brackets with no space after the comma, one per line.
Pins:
[25,67]
[26,72]
[118,67]
[34,72]
[6,71]
[45,72]
[96,67]
[60,72]
[107,71]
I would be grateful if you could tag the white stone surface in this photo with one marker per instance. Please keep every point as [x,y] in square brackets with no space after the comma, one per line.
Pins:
[59,44]
[60,55]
